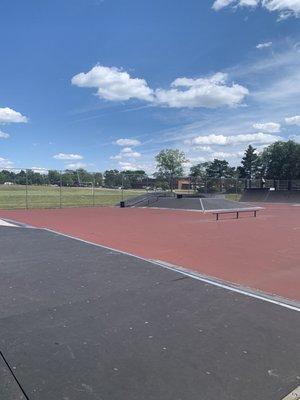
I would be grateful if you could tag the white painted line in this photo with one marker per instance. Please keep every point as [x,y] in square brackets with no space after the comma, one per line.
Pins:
[202,208]
[294,395]
[190,274]
[5,223]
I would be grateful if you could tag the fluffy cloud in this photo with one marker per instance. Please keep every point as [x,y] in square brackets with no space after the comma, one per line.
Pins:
[40,170]
[77,165]
[285,8]
[264,45]
[113,84]
[206,149]
[208,92]
[3,135]
[116,85]
[225,155]
[293,120]
[219,4]
[8,116]
[269,127]
[5,163]
[126,152]
[69,156]
[221,140]
[128,142]
[128,166]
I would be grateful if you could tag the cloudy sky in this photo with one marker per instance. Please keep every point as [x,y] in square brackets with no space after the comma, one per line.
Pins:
[108,83]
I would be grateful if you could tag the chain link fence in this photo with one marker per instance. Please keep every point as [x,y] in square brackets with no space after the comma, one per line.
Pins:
[28,188]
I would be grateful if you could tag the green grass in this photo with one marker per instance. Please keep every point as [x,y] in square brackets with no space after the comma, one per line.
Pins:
[233,196]
[16,196]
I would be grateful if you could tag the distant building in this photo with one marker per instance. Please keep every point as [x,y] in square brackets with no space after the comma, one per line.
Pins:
[184,184]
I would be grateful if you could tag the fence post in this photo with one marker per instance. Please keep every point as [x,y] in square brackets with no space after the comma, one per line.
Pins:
[93,190]
[60,189]
[26,190]
[122,187]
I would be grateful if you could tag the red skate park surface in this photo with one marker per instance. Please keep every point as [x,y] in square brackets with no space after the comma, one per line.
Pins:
[262,253]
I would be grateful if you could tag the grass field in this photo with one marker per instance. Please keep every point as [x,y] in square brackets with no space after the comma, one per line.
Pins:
[17,196]
[233,196]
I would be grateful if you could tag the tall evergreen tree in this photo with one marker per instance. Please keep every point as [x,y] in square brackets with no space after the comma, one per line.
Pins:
[249,163]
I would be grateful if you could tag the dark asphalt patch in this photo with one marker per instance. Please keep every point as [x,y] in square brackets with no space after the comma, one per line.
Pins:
[83,322]
[180,204]
[203,204]
[223,204]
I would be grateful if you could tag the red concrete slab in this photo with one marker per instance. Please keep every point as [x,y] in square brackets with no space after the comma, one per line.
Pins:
[262,253]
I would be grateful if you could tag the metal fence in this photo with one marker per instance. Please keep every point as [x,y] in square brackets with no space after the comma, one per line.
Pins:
[28,188]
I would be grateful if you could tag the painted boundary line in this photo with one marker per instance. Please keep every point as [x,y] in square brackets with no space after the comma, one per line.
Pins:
[294,395]
[246,292]
[201,203]
[14,376]
[6,223]
[19,224]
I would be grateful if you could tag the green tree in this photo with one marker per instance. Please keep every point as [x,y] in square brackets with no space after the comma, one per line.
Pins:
[198,175]
[21,178]
[281,160]
[219,169]
[7,176]
[54,177]
[170,164]
[68,178]
[134,179]
[98,179]
[250,164]
[112,178]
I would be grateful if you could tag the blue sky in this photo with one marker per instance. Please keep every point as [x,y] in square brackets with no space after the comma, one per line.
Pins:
[107,84]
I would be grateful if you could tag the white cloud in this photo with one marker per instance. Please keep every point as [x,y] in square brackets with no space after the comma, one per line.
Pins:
[208,92]
[77,165]
[225,154]
[268,127]
[40,170]
[206,149]
[219,4]
[285,8]
[68,156]
[3,135]
[114,84]
[128,142]
[221,140]
[8,116]
[128,166]
[293,120]
[264,45]
[296,138]
[5,163]
[126,152]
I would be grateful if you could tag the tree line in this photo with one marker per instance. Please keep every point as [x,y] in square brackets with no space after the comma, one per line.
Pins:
[280,160]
